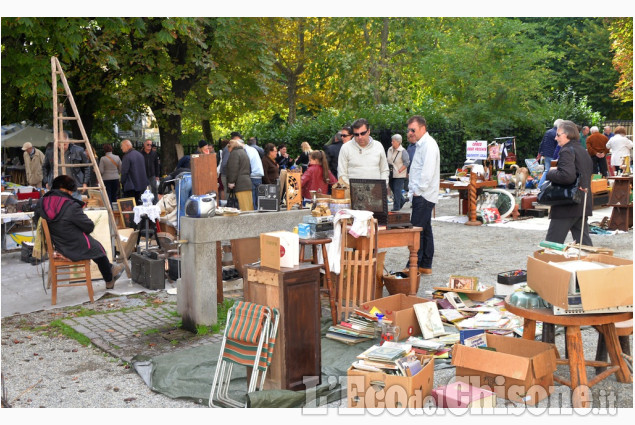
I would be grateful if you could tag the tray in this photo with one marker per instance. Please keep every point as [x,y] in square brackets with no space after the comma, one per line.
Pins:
[508,278]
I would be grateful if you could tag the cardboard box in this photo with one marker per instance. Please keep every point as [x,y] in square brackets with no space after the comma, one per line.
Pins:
[612,287]
[395,391]
[244,251]
[519,370]
[279,249]
[398,309]
[599,185]
[480,296]
[461,395]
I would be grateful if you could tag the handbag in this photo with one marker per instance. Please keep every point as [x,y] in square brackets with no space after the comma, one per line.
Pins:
[555,194]
[232,200]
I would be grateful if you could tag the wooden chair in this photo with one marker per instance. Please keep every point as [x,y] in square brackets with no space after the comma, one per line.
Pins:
[61,269]
[356,283]
[623,330]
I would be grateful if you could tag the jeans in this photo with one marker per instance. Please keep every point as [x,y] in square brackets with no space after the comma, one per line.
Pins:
[255,182]
[397,188]
[422,217]
[547,167]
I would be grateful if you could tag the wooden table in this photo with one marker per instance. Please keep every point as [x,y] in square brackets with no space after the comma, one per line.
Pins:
[391,238]
[604,322]
[473,185]
[620,200]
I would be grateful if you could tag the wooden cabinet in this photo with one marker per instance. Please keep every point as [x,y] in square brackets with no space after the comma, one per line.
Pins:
[295,292]
[622,214]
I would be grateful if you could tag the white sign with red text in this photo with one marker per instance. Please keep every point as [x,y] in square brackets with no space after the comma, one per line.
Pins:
[476,149]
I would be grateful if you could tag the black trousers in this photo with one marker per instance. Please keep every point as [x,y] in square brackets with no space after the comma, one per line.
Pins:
[599,165]
[104,267]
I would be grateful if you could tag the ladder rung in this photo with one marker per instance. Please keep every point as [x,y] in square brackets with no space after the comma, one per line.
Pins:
[88,164]
[67,118]
[90,188]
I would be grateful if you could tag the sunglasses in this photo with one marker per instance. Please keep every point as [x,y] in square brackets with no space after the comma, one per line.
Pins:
[559,134]
[411,130]
[363,133]
[345,135]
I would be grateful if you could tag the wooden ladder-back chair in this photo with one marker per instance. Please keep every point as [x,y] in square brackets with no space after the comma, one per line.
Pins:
[61,269]
[356,284]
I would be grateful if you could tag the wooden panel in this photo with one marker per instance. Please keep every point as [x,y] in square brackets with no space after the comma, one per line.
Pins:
[204,177]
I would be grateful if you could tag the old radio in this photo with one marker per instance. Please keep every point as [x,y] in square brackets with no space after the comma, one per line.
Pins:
[268,197]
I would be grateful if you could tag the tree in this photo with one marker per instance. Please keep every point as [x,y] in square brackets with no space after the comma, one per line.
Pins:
[622,45]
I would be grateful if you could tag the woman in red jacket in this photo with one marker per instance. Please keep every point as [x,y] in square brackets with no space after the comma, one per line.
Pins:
[317,177]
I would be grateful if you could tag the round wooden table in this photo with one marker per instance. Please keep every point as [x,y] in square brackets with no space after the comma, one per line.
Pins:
[605,323]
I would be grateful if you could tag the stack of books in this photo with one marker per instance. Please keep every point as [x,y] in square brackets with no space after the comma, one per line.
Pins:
[391,358]
[358,328]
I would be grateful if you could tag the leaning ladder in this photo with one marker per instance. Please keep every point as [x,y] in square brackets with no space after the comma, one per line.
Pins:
[58,125]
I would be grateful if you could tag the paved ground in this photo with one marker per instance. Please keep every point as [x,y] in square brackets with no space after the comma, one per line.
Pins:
[44,368]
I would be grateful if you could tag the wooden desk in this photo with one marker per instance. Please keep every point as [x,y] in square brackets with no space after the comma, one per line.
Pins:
[471,189]
[391,238]
[604,322]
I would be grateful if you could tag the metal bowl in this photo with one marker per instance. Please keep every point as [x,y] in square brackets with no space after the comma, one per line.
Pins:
[529,300]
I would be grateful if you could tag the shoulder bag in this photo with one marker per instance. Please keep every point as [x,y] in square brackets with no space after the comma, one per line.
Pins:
[556,194]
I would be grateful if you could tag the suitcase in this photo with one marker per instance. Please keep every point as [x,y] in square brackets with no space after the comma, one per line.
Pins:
[147,271]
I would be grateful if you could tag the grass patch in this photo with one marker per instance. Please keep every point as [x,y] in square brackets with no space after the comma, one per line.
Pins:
[174,342]
[150,331]
[69,332]
[174,313]
[202,330]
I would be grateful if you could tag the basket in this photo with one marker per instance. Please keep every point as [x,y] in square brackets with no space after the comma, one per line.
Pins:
[400,285]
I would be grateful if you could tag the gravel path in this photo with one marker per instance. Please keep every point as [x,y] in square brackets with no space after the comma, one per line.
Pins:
[42,368]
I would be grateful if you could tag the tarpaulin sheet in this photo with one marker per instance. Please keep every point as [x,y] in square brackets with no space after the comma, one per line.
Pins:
[188,374]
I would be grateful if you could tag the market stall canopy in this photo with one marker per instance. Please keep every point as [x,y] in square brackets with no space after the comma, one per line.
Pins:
[16,135]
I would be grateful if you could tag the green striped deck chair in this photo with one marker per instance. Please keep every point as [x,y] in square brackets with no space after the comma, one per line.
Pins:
[248,340]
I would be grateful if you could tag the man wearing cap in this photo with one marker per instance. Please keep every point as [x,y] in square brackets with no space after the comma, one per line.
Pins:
[398,161]
[33,161]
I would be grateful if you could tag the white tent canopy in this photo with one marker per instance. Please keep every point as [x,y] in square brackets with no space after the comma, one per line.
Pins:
[16,135]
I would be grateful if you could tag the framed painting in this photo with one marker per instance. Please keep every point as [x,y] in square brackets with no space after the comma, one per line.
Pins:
[126,211]
[370,195]
[469,283]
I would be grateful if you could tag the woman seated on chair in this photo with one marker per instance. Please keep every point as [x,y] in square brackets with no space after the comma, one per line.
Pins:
[70,228]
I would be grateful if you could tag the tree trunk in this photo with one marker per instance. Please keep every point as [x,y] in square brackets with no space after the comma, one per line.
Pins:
[170,133]
[292,95]
[207,131]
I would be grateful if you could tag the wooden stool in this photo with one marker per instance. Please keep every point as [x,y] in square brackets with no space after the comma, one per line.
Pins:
[329,285]
[623,330]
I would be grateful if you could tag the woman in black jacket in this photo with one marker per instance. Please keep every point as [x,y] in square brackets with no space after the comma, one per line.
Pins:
[573,160]
[70,228]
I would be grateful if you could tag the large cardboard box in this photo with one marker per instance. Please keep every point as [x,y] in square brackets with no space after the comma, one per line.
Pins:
[245,251]
[279,249]
[519,370]
[599,185]
[609,287]
[398,309]
[398,391]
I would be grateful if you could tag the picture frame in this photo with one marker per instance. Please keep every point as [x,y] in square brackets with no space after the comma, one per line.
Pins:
[469,283]
[370,195]
[126,211]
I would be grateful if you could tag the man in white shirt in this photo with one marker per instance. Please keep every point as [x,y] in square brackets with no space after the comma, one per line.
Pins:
[362,157]
[423,188]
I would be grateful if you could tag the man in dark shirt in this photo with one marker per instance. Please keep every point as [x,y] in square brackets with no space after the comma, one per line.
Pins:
[133,172]
[151,161]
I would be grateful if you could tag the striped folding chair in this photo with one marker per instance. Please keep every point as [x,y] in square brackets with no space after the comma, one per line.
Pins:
[248,340]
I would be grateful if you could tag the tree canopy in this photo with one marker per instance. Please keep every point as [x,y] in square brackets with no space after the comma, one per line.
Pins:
[204,77]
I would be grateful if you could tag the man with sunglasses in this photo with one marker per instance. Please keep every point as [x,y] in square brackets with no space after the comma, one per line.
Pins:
[363,157]
[332,151]
[423,187]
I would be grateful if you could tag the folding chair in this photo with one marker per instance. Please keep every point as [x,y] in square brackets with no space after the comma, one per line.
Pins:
[248,340]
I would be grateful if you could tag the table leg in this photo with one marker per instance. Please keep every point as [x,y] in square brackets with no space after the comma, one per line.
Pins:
[413,269]
[219,273]
[615,353]
[529,329]
[329,285]
[577,367]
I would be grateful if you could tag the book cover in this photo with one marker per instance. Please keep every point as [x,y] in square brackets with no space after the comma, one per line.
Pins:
[346,339]
[462,395]
[451,315]
[454,299]
[429,320]
[469,333]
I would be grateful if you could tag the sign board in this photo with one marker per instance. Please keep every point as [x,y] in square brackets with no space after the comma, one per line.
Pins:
[476,149]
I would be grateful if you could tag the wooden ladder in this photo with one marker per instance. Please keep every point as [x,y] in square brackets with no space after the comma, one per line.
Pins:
[58,127]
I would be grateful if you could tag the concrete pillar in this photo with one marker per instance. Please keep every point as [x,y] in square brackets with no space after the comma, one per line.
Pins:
[196,295]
